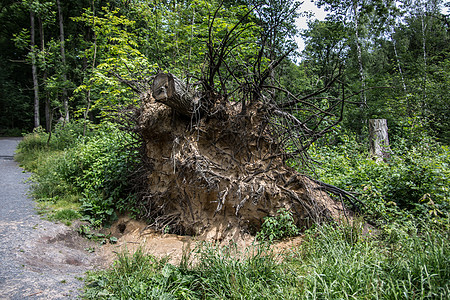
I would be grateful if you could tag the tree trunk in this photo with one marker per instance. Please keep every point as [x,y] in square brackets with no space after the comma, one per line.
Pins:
[397,58]
[86,113]
[44,77]
[359,55]
[171,91]
[34,72]
[378,139]
[63,60]
[424,78]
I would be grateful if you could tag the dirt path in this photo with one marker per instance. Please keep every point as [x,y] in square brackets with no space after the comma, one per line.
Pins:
[38,259]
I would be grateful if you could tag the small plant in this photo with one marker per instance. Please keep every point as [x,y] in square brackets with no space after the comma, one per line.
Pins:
[90,249]
[97,210]
[91,234]
[278,227]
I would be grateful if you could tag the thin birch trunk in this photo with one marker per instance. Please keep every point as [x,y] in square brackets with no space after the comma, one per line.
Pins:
[34,72]
[63,60]
[88,107]
[44,77]
[424,78]
[359,55]
[397,58]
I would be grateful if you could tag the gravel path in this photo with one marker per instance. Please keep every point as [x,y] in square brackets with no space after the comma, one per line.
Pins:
[38,259]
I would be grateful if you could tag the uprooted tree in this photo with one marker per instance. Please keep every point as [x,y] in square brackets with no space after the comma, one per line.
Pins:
[215,152]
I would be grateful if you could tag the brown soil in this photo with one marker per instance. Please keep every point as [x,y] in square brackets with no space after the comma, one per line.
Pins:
[133,235]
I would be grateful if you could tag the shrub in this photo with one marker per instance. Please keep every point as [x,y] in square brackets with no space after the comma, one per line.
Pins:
[277,227]
[96,168]
[414,183]
[68,135]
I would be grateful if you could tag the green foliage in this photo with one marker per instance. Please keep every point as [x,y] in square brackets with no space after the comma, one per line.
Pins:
[13,132]
[32,150]
[69,135]
[413,184]
[95,168]
[96,209]
[114,51]
[219,274]
[280,226]
[127,280]
[327,265]
[87,231]
[414,266]
[37,140]
[226,273]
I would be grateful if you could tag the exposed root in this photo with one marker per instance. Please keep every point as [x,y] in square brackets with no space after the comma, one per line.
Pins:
[221,175]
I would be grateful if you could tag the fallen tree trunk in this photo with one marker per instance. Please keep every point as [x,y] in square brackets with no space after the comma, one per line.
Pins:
[171,91]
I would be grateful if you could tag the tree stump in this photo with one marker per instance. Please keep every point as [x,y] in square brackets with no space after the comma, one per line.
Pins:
[378,139]
[171,91]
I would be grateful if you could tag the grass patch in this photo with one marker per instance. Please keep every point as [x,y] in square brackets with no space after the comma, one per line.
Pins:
[413,266]
[65,216]
[330,264]
[64,209]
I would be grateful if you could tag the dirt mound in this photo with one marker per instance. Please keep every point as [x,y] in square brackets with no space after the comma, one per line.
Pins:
[218,176]
[137,235]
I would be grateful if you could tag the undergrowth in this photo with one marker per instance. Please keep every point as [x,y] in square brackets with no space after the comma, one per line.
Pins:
[413,184]
[278,227]
[329,264]
[86,174]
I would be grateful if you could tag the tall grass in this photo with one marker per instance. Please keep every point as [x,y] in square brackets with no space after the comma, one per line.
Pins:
[329,264]
[416,266]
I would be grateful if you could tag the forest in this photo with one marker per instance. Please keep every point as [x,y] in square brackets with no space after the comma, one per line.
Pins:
[76,78]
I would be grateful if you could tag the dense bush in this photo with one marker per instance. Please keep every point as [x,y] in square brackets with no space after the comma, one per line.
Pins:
[414,183]
[95,168]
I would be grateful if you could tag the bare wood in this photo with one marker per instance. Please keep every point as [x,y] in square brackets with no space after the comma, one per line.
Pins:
[171,91]
[378,139]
